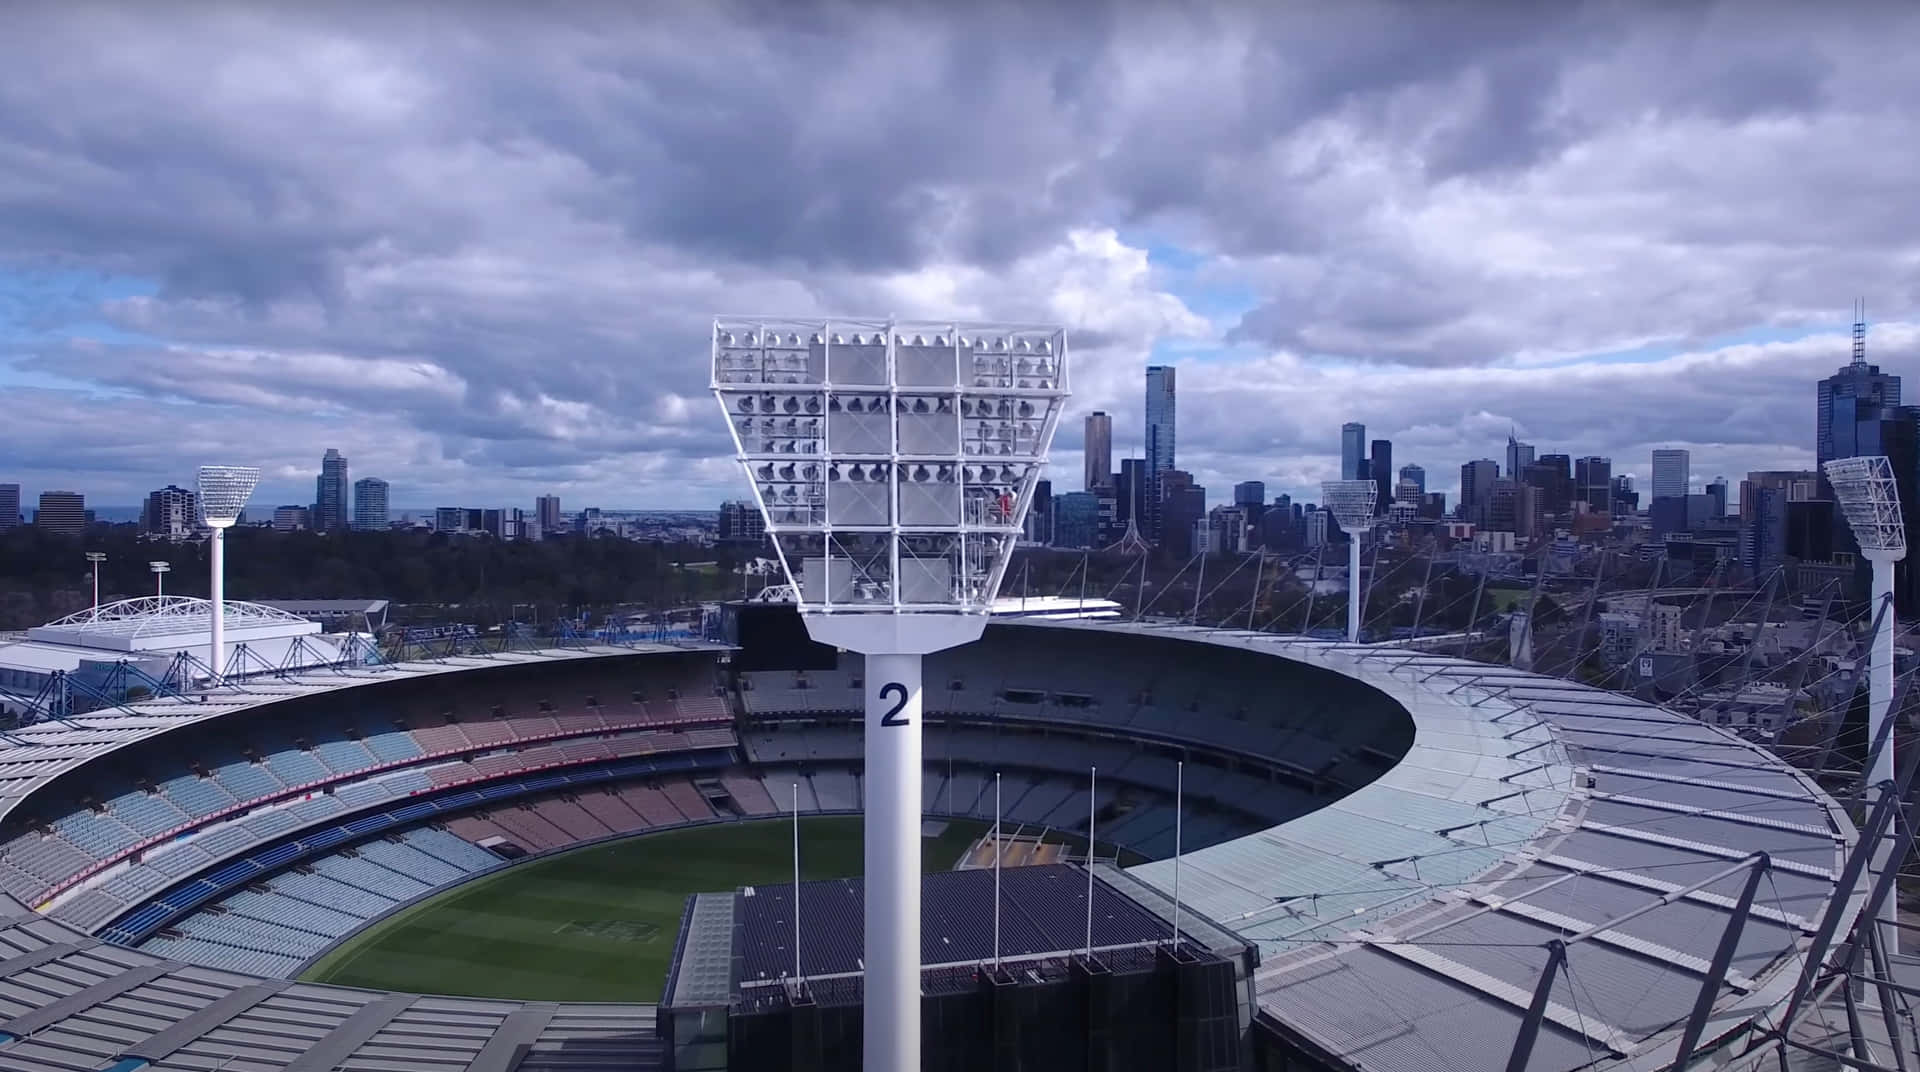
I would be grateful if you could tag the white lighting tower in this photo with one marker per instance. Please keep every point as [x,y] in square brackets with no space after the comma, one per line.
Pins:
[160,570]
[1351,502]
[96,557]
[1870,499]
[223,494]
[894,463]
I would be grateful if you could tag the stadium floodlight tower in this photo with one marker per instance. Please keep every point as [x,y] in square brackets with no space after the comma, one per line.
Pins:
[223,494]
[894,463]
[1351,502]
[1870,499]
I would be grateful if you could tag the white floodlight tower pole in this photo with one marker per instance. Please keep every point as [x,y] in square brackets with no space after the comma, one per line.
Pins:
[1351,502]
[223,494]
[894,463]
[96,557]
[160,570]
[1870,498]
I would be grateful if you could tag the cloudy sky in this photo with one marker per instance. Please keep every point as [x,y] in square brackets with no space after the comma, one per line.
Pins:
[479,250]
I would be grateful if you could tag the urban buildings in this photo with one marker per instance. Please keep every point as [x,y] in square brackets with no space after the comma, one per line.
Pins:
[1161,411]
[1075,517]
[1380,471]
[1098,451]
[330,493]
[1476,488]
[1519,456]
[1857,393]
[1593,483]
[1416,476]
[291,518]
[1671,474]
[172,512]
[1250,493]
[63,512]
[1717,492]
[1353,451]
[546,513]
[369,503]
[9,507]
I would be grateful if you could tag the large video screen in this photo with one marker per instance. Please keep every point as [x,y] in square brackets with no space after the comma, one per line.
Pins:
[771,636]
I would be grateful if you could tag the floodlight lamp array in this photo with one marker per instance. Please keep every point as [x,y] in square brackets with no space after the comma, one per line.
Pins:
[224,490]
[1350,501]
[894,462]
[1870,500]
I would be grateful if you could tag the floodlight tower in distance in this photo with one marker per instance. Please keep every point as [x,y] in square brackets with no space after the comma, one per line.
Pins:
[894,463]
[223,494]
[1870,499]
[1351,502]
[160,570]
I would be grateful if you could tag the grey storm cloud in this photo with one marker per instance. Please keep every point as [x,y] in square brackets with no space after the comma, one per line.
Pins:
[477,247]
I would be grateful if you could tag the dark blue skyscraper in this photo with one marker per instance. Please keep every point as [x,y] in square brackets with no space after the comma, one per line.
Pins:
[1160,441]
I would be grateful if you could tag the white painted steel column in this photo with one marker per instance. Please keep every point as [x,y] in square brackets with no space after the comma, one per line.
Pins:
[216,595]
[1879,709]
[1353,588]
[891,1029]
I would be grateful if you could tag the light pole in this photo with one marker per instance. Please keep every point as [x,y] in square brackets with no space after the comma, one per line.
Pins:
[160,570]
[223,494]
[96,557]
[1351,503]
[894,464]
[1870,499]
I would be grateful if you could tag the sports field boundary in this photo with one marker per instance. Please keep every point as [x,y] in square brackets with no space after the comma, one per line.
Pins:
[494,871]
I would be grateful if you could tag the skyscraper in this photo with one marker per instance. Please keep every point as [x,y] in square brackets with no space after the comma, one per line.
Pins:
[9,507]
[1380,471]
[1476,489]
[330,493]
[370,504]
[1519,456]
[1717,491]
[546,511]
[1353,450]
[1099,450]
[1160,442]
[1417,475]
[1857,392]
[1672,472]
[1593,483]
[64,512]
[173,512]
[1250,493]
[1553,475]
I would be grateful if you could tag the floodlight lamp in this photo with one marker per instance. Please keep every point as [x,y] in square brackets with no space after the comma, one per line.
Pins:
[1350,501]
[900,419]
[1870,500]
[223,493]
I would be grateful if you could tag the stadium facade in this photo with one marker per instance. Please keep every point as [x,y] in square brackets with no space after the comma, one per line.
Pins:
[1433,862]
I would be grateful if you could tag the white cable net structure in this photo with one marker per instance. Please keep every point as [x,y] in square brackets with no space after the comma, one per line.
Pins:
[1870,499]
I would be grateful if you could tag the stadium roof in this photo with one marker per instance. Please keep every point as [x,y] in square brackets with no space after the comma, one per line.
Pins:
[1405,926]
[1528,809]
[152,623]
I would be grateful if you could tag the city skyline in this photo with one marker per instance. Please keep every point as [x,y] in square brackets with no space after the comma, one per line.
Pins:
[1447,271]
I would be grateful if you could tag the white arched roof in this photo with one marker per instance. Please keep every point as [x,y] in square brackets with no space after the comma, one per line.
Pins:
[151,622]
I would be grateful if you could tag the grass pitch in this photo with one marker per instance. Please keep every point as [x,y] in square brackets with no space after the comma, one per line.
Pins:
[596,924]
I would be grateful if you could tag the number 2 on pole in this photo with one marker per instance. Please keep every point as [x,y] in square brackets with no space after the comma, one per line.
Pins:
[898,692]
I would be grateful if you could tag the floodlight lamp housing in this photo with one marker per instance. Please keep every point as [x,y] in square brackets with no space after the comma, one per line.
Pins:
[223,493]
[1870,500]
[1350,501]
[894,462]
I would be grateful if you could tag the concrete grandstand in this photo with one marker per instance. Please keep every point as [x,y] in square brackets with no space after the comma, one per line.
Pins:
[1403,836]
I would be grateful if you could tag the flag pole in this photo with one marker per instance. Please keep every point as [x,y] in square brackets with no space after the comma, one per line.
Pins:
[996,872]
[1179,787]
[1093,784]
[796,887]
